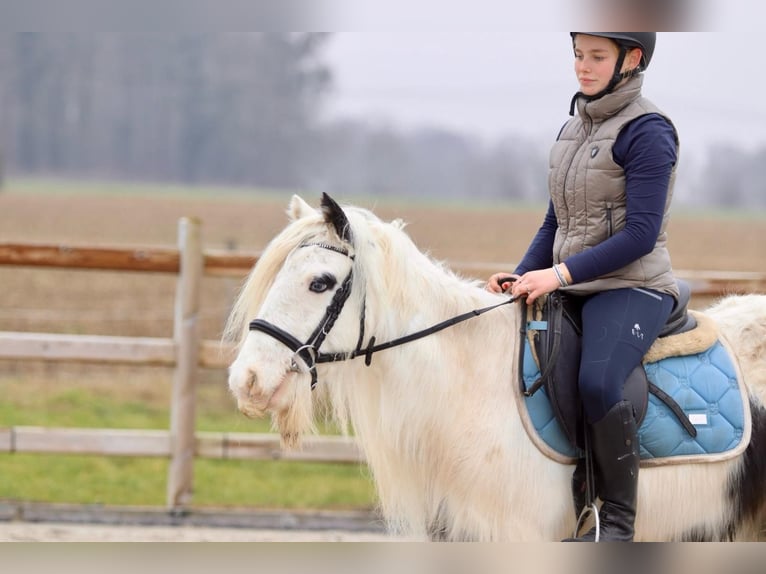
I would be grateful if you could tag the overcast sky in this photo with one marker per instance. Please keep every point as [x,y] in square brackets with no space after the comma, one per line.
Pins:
[494,83]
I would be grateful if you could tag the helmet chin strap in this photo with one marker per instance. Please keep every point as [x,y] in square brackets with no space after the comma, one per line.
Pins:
[617,77]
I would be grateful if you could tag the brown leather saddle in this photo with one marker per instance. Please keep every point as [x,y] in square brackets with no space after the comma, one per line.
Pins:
[555,331]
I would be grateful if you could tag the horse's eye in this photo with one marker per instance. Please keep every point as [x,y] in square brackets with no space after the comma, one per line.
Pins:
[322,283]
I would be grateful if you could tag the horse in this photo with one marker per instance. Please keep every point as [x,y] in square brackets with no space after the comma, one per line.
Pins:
[344,315]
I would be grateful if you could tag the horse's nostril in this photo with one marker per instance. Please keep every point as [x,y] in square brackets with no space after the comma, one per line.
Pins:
[251,381]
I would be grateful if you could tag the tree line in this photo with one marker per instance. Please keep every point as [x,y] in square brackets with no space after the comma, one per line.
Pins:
[238,108]
[247,109]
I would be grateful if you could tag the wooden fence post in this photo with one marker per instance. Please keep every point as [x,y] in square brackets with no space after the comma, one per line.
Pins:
[186,335]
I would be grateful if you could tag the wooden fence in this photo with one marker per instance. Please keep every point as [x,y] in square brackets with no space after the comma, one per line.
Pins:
[188,353]
[185,351]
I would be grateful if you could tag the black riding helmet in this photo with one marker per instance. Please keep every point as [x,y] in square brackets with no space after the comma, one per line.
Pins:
[644,40]
[625,40]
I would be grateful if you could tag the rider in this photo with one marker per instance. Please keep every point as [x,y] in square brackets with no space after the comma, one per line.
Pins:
[603,240]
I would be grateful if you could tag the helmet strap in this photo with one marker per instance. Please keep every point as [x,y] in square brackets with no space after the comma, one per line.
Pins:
[616,78]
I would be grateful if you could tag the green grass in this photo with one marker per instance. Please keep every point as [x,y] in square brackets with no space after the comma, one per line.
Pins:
[63,186]
[79,187]
[82,480]
[114,481]
[73,407]
[33,400]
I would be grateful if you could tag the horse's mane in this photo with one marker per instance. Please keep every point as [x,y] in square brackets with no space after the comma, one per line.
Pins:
[261,277]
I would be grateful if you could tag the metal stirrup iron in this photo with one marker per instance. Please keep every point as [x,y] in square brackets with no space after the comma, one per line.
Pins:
[590,492]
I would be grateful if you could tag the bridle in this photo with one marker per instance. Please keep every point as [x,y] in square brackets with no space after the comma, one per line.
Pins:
[309,351]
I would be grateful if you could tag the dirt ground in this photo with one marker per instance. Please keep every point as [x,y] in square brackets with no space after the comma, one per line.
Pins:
[62,532]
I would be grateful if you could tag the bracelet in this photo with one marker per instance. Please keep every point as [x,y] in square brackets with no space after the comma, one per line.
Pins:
[560,276]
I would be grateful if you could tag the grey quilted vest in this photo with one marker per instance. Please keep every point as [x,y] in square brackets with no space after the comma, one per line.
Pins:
[587,188]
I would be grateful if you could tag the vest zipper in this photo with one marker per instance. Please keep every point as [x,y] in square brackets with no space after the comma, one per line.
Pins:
[586,119]
[609,224]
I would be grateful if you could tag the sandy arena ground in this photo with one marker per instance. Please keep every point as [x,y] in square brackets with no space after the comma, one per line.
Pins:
[63,532]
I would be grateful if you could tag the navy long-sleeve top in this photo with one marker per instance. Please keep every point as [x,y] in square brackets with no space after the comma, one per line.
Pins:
[646,149]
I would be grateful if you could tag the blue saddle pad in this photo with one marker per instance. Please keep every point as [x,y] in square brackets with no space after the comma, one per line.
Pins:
[704,385]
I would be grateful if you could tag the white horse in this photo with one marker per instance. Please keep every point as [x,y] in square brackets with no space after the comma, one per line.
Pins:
[438,418]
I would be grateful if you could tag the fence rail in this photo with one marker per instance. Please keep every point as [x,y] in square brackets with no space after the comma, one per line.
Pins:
[157,443]
[187,353]
[218,263]
[151,259]
[151,351]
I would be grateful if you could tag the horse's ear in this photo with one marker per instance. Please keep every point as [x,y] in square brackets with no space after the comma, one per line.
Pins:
[335,216]
[299,209]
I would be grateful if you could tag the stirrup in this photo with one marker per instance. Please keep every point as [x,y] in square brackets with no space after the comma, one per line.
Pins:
[584,514]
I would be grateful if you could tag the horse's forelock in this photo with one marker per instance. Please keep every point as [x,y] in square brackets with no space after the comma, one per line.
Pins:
[261,277]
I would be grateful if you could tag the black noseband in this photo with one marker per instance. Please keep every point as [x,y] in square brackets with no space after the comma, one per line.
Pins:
[309,351]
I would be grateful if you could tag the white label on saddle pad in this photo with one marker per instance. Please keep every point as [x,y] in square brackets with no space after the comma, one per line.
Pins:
[698,419]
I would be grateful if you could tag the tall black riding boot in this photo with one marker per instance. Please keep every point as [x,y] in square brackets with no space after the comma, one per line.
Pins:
[616,455]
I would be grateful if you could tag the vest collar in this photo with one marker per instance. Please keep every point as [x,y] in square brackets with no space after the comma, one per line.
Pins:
[610,104]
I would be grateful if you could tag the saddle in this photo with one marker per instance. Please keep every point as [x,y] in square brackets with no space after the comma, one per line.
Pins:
[554,331]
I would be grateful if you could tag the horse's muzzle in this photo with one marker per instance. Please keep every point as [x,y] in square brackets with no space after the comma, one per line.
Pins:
[243,384]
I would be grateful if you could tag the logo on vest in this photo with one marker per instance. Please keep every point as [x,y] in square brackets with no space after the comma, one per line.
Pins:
[593,152]
[637,333]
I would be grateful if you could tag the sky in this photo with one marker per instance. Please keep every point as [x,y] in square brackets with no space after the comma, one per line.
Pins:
[500,83]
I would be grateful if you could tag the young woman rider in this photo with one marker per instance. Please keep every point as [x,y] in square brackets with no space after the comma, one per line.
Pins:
[603,240]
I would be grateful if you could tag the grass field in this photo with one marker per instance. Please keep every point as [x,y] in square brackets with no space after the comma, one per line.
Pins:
[141,304]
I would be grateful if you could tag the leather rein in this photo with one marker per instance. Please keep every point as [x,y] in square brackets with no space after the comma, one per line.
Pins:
[309,351]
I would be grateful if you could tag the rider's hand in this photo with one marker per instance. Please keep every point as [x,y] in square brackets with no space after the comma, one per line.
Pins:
[535,284]
[501,282]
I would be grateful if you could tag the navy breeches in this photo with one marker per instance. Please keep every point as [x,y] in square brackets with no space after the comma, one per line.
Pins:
[618,327]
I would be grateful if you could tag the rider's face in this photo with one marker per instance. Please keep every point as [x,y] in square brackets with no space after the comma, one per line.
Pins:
[595,58]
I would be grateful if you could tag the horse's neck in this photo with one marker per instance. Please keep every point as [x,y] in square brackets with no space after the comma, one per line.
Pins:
[441,380]
[443,377]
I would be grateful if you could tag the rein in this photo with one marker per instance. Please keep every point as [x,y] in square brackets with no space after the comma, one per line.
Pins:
[309,351]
